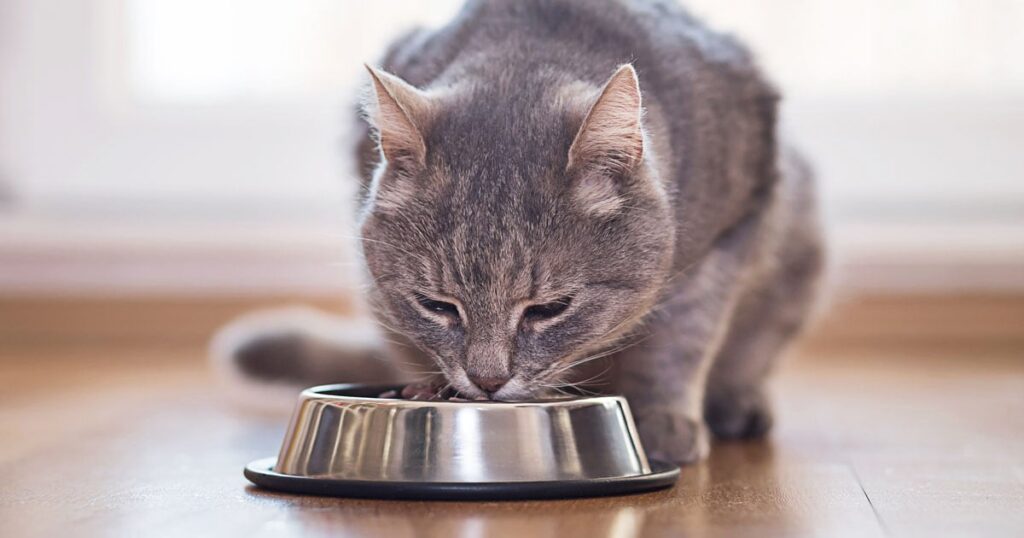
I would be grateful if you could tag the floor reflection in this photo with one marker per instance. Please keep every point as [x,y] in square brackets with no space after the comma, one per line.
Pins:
[598,518]
[692,505]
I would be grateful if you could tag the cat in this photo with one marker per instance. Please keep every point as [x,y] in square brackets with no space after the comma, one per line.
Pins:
[552,182]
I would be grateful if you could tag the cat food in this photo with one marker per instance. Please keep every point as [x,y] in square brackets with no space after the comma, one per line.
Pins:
[425,391]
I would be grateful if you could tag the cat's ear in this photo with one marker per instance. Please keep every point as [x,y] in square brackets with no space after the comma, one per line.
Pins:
[611,137]
[398,112]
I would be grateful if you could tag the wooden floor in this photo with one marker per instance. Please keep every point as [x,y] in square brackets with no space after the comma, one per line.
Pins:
[919,437]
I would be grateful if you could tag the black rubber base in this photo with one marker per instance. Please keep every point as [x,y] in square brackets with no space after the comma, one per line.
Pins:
[261,473]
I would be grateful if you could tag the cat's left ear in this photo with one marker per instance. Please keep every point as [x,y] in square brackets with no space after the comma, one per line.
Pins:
[611,138]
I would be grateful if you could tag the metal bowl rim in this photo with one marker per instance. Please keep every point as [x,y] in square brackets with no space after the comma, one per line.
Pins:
[318,393]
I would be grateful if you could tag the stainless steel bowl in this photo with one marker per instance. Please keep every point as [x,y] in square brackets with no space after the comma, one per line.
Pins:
[344,440]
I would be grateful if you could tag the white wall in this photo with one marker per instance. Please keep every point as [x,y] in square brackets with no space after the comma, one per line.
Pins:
[149,139]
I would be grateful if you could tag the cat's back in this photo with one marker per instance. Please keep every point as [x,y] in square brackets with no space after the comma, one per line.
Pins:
[587,38]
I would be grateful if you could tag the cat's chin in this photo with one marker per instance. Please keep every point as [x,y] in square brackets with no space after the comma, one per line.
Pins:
[516,390]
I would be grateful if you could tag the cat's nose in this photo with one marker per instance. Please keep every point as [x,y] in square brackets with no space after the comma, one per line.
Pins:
[489,385]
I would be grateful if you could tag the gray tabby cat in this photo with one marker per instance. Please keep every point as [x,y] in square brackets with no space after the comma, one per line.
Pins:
[554,181]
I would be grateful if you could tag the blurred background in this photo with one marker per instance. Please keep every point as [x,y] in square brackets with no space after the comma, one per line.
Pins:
[167,165]
[198,150]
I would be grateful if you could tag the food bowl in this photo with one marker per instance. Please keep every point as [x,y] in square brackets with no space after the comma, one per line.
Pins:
[345,441]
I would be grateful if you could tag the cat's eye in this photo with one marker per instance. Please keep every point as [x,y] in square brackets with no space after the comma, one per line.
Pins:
[539,312]
[438,307]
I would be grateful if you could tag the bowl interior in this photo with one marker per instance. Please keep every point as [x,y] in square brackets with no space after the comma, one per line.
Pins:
[374,391]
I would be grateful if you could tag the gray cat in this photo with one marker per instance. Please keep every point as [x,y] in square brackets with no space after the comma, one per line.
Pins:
[552,182]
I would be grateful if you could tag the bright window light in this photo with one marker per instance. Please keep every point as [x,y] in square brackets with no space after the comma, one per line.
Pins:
[203,51]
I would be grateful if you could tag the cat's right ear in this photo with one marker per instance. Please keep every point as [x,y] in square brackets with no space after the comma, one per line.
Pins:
[398,112]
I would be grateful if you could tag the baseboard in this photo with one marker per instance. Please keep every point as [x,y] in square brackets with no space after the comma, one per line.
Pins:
[46,256]
[973,320]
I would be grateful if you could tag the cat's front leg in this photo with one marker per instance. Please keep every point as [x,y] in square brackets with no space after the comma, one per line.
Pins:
[671,434]
[663,378]
[664,375]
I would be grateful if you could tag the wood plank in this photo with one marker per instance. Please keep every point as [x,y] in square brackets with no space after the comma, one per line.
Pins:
[126,437]
[172,466]
[925,497]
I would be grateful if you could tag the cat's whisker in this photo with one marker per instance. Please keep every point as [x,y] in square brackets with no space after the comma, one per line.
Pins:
[576,390]
[582,361]
[594,378]
[427,376]
[391,360]
[560,391]
[441,391]
[600,355]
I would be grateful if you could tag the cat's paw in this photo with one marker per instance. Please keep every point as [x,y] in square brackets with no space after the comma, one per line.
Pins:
[671,436]
[738,414]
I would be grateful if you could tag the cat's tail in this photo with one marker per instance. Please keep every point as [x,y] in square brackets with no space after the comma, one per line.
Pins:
[265,358]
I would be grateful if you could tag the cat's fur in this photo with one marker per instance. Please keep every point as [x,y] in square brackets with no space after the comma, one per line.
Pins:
[510,166]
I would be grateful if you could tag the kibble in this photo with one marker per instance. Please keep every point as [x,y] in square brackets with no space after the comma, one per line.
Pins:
[426,392]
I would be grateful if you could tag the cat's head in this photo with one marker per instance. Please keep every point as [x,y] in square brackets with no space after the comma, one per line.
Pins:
[511,231]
